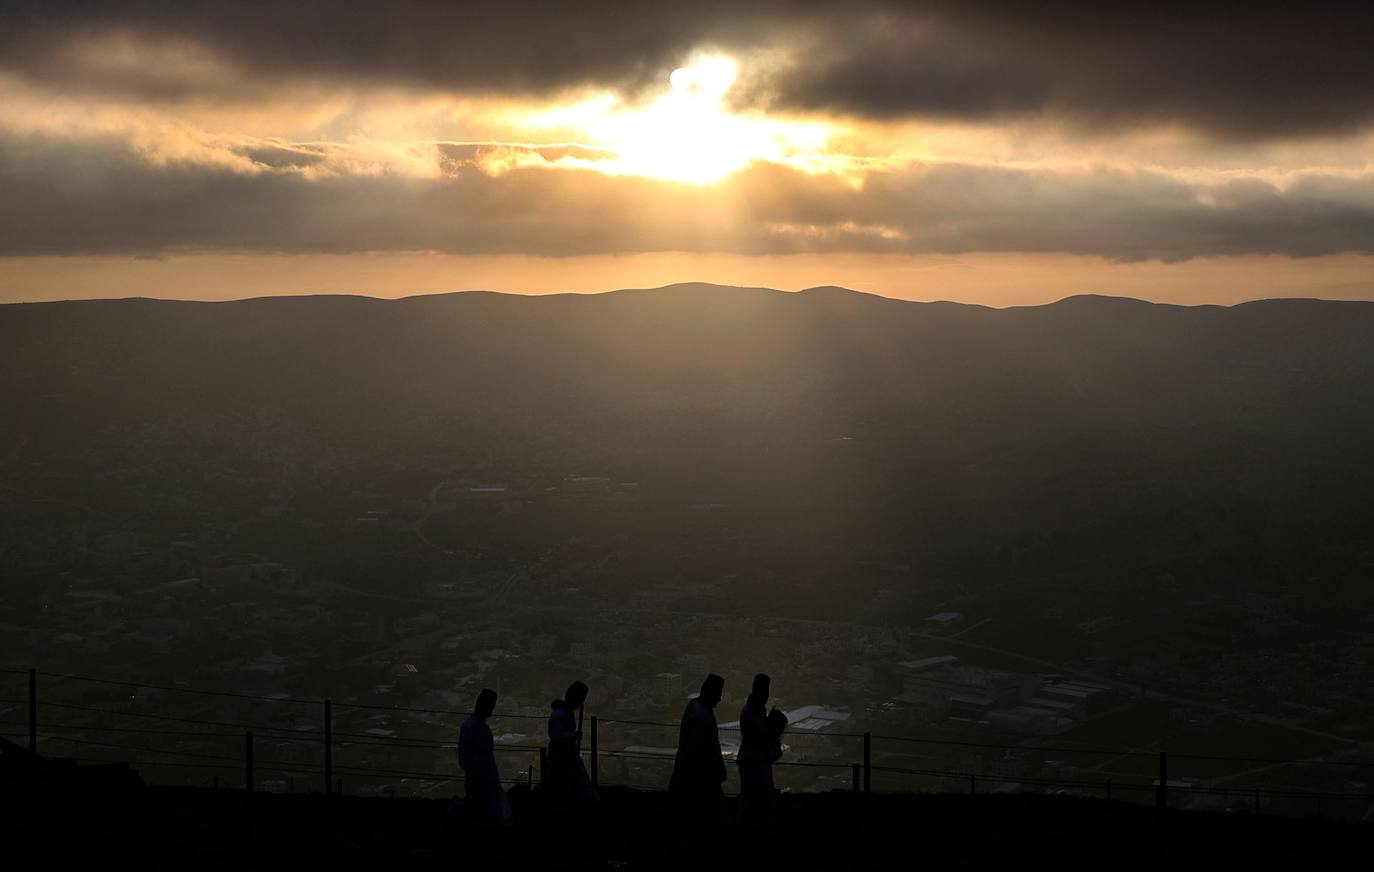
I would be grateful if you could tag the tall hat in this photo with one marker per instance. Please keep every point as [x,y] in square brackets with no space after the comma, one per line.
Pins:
[577,694]
[713,686]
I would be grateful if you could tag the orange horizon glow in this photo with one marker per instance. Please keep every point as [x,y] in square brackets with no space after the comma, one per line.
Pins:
[996,280]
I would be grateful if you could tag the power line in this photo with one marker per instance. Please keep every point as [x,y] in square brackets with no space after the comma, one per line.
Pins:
[1002,747]
[69,740]
[404,742]
[277,768]
[637,723]
[141,731]
[203,721]
[1276,762]
[175,689]
[282,767]
[730,729]
[143,685]
[429,711]
[431,746]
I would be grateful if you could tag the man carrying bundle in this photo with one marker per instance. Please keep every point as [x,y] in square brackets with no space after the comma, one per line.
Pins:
[760,747]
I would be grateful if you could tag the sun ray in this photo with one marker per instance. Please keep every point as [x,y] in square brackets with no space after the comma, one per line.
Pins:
[687,133]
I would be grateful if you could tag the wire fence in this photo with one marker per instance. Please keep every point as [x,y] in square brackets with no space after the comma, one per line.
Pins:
[382,759]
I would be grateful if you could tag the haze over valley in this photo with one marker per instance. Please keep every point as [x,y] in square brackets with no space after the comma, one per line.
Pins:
[397,502]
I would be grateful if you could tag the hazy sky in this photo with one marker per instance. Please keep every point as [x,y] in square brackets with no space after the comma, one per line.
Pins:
[1001,153]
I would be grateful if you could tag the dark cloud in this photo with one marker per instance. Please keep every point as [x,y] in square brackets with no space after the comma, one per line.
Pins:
[1234,71]
[515,46]
[70,197]
[1230,70]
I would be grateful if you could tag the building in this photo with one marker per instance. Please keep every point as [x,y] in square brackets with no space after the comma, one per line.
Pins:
[915,666]
[939,688]
[1089,698]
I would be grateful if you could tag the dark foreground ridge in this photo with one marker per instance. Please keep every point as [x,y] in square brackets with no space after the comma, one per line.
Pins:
[103,814]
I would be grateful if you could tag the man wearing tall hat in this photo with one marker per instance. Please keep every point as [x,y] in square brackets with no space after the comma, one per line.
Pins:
[760,747]
[699,768]
[570,795]
[485,800]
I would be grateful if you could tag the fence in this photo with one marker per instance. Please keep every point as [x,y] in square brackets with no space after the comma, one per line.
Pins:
[306,742]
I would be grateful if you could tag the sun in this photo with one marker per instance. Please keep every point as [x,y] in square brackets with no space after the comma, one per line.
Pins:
[687,133]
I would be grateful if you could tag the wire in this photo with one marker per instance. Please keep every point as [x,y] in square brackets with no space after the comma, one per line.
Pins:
[635,755]
[636,723]
[996,746]
[282,767]
[159,763]
[100,729]
[643,787]
[264,698]
[813,764]
[204,721]
[732,729]
[433,746]
[1272,761]
[175,689]
[170,753]
[294,734]
[429,711]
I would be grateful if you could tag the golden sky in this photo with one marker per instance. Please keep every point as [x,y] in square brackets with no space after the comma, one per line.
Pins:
[224,150]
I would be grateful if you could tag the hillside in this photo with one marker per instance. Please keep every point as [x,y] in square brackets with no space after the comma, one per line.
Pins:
[221,829]
[1092,423]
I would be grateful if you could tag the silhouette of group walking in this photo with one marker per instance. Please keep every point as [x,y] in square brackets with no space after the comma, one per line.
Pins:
[570,799]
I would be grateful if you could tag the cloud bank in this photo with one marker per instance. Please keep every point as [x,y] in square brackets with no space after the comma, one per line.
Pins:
[1227,70]
[147,128]
[103,197]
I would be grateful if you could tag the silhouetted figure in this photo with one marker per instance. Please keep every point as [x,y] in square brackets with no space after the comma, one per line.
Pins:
[759,748]
[699,769]
[569,790]
[485,800]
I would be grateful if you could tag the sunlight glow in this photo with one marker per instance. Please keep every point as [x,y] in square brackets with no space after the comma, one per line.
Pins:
[688,134]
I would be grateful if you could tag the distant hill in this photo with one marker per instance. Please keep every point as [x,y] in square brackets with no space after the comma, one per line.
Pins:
[1131,436]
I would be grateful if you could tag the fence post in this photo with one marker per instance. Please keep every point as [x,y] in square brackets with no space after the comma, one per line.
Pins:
[595,779]
[1162,795]
[338,788]
[248,760]
[1109,790]
[33,710]
[855,772]
[529,776]
[972,784]
[328,745]
[1257,803]
[543,764]
[868,762]
[216,782]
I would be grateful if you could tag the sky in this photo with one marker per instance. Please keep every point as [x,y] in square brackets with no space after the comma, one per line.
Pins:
[997,153]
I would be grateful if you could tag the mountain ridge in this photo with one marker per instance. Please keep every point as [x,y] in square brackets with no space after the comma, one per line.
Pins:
[1049,441]
[827,292]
